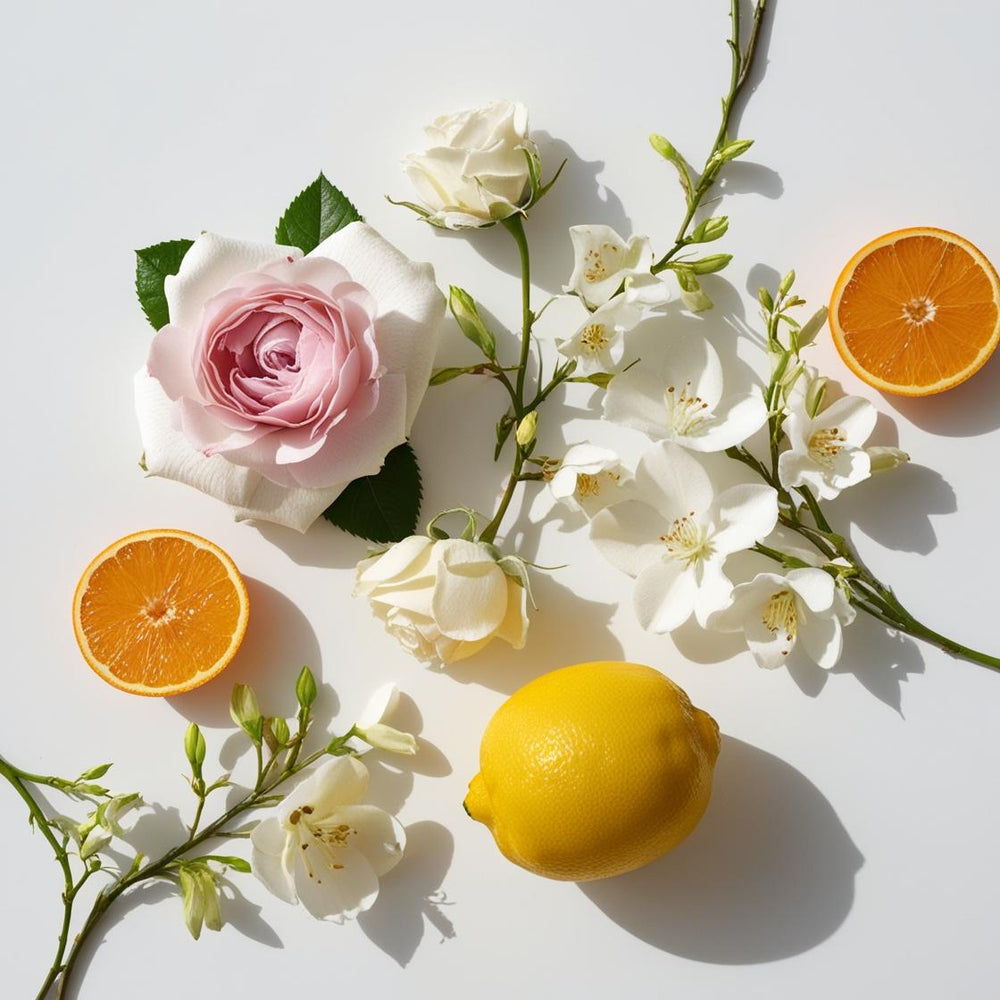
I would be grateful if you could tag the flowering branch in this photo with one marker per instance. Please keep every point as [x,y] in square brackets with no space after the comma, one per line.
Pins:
[198,884]
[793,387]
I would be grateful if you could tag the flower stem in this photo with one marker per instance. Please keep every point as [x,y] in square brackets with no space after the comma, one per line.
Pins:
[515,226]
[260,795]
[742,61]
[17,779]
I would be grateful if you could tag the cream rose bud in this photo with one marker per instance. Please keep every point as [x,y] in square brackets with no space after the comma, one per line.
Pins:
[445,599]
[475,171]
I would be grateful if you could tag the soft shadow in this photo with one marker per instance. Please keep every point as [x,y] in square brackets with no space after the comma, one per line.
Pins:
[895,507]
[237,912]
[768,874]
[322,545]
[410,895]
[880,659]
[743,177]
[706,646]
[577,198]
[762,276]
[278,642]
[551,642]
[969,409]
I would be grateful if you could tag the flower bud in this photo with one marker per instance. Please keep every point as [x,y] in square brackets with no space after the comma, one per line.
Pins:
[305,688]
[463,308]
[245,712]
[527,429]
[384,737]
[94,772]
[711,229]
[280,731]
[194,748]
[884,457]
[786,284]
[815,393]
[806,333]
[711,264]
[733,149]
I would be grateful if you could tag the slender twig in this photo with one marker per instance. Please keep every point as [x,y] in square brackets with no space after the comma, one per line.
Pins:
[742,61]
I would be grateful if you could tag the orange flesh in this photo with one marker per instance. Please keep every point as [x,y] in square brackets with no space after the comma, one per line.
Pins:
[160,614]
[916,312]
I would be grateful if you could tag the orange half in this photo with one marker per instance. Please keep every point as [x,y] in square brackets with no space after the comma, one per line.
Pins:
[160,612]
[916,311]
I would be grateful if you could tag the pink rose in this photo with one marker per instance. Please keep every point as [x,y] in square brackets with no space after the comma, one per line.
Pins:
[282,378]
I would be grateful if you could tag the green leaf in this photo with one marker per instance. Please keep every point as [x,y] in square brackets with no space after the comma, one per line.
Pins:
[441,375]
[383,507]
[318,212]
[152,265]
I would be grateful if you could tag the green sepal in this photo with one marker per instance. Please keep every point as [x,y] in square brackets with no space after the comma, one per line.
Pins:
[152,265]
[318,212]
[384,507]
[504,426]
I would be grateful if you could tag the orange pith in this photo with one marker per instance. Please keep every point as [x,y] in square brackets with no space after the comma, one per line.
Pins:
[916,311]
[160,612]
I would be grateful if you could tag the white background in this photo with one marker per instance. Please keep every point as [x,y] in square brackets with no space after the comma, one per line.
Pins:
[851,846]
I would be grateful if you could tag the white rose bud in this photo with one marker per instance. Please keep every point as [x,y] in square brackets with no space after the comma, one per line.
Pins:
[444,600]
[475,171]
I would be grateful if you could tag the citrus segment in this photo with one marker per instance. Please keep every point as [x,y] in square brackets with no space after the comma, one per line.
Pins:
[160,612]
[916,311]
[594,770]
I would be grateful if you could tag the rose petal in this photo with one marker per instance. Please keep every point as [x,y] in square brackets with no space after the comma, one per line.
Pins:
[208,267]
[410,306]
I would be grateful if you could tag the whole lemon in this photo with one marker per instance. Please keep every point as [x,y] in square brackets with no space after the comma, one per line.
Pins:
[594,770]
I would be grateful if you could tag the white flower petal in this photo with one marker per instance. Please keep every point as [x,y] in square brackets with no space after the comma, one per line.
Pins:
[692,359]
[514,627]
[715,590]
[337,782]
[822,639]
[380,705]
[664,596]
[396,560]
[336,893]
[746,514]
[672,481]
[627,535]
[732,422]
[377,835]
[853,416]
[209,266]
[410,306]
[271,858]
[169,454]
[770,649]
[814,586]
[470,593]
[746,598]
